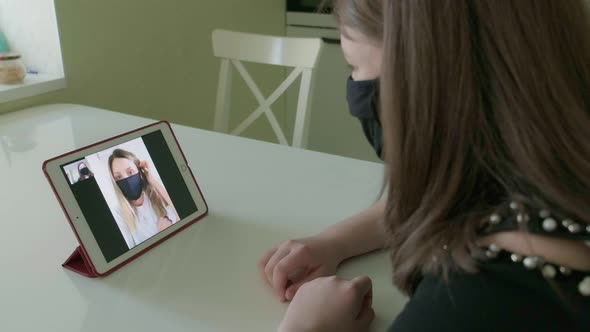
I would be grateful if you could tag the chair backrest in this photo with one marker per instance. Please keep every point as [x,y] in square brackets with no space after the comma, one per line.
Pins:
[300,53]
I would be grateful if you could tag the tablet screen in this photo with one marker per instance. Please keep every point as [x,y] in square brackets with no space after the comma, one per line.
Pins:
[129,192]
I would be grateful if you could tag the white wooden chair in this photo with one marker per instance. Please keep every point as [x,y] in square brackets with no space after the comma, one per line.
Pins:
[235,47]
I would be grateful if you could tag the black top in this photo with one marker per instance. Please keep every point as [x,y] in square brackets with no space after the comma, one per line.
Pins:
[510,292]
[502,297]
[537,221]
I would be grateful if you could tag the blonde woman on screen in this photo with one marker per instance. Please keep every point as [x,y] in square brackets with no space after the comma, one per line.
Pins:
[144,204]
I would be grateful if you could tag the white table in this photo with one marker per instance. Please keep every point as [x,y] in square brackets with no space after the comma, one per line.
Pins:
[203,279]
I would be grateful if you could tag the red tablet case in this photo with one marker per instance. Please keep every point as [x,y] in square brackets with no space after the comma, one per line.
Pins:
[79,261]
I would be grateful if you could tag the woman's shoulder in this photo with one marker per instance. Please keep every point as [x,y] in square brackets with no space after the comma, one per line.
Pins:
[499,298]
[539,220]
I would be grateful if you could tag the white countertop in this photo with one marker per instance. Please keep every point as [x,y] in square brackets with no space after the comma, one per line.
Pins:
[202,279]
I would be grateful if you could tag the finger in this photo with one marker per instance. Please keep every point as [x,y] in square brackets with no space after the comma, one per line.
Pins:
[292,290]
[284,269]
[264,261]
[363,323]
[363,286]
[273,261]
[366,307]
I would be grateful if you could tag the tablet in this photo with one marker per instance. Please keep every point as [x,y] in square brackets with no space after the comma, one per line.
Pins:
[124,195]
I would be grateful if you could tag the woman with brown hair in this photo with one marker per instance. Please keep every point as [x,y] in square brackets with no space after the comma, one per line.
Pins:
[485,112]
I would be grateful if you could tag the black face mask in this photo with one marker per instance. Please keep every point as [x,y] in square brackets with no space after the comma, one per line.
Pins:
[131,186]
[363,103]
[84,171]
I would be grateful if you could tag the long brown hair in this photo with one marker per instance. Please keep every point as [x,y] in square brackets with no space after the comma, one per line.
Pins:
[482,101]
[127,211]
[485,100]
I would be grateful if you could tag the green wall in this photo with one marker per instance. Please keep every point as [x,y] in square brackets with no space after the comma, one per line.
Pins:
[153,58]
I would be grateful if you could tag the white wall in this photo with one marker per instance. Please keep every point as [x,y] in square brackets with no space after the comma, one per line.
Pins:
[30,27]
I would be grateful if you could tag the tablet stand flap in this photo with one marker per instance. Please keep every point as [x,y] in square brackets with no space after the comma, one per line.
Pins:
[77,262]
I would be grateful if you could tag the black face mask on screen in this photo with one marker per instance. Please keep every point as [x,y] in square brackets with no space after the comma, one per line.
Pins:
[131,186]
[84,171]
